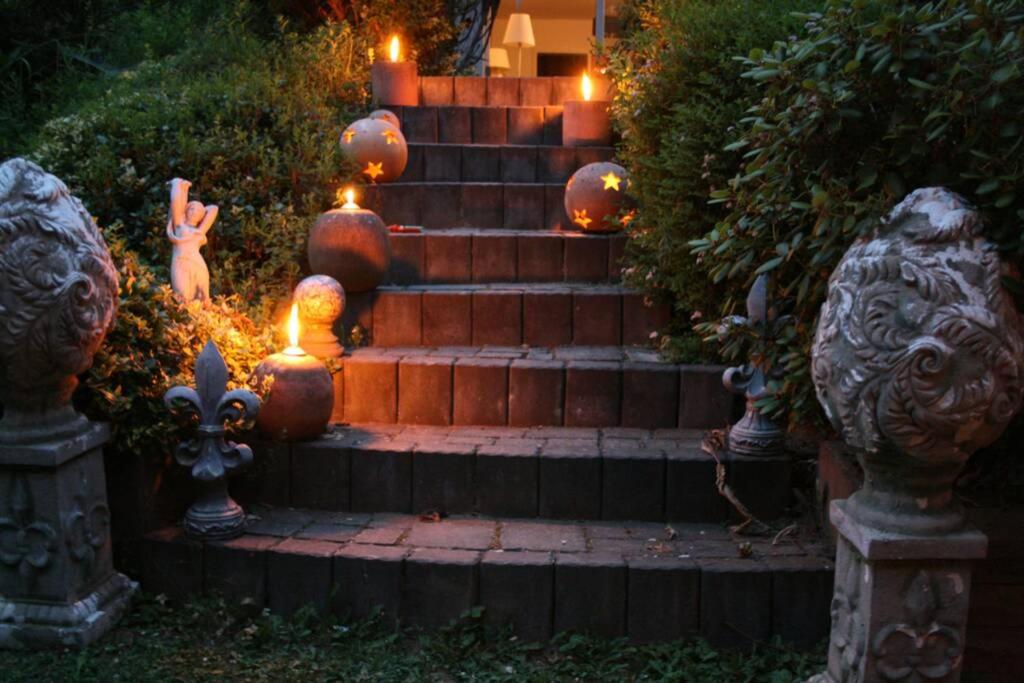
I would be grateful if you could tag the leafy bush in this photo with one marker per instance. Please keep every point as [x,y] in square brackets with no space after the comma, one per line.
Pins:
[679,93]
[878,98]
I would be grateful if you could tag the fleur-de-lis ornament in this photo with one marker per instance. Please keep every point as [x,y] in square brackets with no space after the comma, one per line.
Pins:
[86,528]
[209,455]
[27,544]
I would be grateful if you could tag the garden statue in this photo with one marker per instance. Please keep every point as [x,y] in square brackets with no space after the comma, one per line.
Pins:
[917,362]
[187,226]
[58,298]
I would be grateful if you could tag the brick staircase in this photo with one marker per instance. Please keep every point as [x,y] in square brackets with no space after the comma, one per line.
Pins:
[509,392]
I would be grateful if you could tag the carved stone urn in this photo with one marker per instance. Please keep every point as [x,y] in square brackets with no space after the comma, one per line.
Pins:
[917,362]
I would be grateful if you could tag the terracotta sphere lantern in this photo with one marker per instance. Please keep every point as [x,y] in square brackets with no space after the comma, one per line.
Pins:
[351,245]
[386,115]
[300,398]
[594,196]
[321,301]
[377,147]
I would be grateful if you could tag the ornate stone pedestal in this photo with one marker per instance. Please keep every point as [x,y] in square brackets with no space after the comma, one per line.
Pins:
[58,587]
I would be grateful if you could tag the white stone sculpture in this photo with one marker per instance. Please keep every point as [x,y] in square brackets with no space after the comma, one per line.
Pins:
[187,225]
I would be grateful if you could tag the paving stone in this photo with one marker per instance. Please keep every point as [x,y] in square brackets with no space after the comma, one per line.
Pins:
[385,529]
[524,207]
[664,599]
[590,594]
[382,479]
[497,318]
[565,88]
[539,258]
[555,164]
[425,395]
[586,259]
[703,401]
[690,492]
[442,163]
[397,318]
[633,485]
[404,208]
[442,478]
[536,393]
[503,92]
[763,484]
[172,565]
[616,252]
[470,91]
[368,578]
[597,318]
[439,586]
[526,126]
[481,391]
[293,558]
[542,536]
[641,322]
[460,534]
[482,205]
[650,395]
[447,258]
[320,476]
[547,318]
[436,90]
[518,590]
[506,483]
[494,258]
[535,92]
[454,126]
[593,155]
[489,125]
[441,205]
[419,124]
[570,484]
[553,125]
[481,164]
[372,389]
[554,208]
[279,522]
[406,257]
[735,602]
[447,318]
[801,599]
[518,164]
[237,569]
[592,394]
[268,480]
[413,172]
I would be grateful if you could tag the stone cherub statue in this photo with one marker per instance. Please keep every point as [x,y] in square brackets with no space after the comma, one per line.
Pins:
[187,225]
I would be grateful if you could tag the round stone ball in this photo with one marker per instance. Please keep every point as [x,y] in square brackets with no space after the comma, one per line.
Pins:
[300,400]
[377,148]
[321,299]
[594,195]
[386,115]
[351,246]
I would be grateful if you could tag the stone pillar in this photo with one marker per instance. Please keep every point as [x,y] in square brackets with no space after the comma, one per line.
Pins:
[917,362]
[58,294]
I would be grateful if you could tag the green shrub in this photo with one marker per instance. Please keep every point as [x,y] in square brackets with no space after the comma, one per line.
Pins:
[679,93]
[880,97]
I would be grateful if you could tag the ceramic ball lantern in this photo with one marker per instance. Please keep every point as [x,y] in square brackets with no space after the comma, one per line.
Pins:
[351,245]
[594,195]
[386,115]
[321,301]
[377,147]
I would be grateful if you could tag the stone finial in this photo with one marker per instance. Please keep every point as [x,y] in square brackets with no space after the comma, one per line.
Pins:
[321,301]
[209,455]
[58,298]
[917,358]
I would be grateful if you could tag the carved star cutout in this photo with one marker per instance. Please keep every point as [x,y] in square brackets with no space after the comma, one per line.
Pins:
[611,181]
[391,137]
[348,135]
[580,218]
[373,170]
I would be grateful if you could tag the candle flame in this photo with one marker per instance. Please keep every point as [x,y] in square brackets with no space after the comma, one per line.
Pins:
[395,45]
[350,199]
[293,326]
[587,88]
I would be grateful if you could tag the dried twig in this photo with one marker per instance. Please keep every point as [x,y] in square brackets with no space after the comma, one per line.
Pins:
[712,443]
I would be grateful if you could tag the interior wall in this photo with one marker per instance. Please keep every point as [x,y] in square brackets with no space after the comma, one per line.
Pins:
[571,36]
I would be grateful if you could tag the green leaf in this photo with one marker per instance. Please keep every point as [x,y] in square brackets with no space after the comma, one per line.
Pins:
[1006,73]
[917,83]
[990,185]
[768,265]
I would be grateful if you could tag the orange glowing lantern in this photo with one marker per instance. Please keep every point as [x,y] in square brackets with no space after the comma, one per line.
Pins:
[586,88]
[586,122]
[394,50]
[595,195]
[377,148]
[395,82]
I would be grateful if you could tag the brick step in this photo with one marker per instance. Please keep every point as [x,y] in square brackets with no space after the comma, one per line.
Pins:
[509,206]
[463,255]
[535,314]
[522,387]
[498,163]
[644,581]
[551,472]
[476,91]
[481,125]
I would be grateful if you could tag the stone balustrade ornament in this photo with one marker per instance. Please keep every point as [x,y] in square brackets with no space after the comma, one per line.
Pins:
[917,362]
[210,456]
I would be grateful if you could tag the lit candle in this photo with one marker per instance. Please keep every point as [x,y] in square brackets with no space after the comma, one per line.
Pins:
[395,82]
[586,122]
[351,245]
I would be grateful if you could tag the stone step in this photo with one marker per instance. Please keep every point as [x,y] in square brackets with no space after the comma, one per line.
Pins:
[498,163]
[510,314]
[476,91]
[463,255]
[552,472]
[523,387]
[482,125]
[645,581]
[509,206]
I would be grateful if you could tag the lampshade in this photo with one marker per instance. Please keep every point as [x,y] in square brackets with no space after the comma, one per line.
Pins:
[498,58]
[519,31]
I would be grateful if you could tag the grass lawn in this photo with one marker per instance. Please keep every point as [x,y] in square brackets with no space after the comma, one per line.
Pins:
[212,641]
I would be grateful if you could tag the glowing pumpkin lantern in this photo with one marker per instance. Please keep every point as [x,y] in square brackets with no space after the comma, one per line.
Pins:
[594,196]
